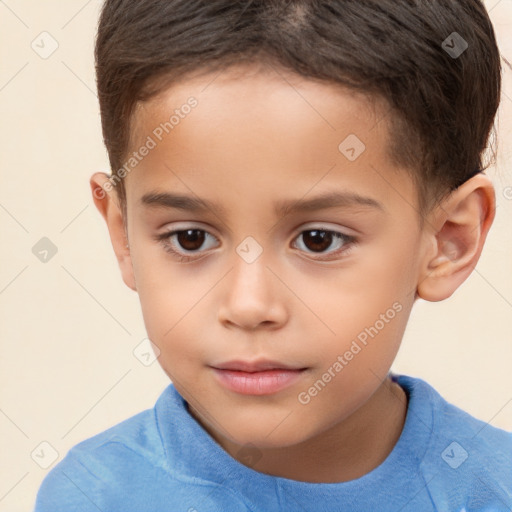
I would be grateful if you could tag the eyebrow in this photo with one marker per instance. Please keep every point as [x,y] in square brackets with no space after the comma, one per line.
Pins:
[281,208]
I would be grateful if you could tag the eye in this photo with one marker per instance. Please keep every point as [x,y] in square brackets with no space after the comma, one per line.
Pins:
[318,240]
[185,244]
[179,242]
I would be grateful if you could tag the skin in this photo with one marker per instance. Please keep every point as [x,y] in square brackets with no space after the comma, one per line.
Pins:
[259,136]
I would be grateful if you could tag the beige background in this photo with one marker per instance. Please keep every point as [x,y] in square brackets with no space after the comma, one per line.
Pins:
[69,326]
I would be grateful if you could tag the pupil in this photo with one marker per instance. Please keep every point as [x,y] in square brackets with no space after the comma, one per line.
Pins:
[191,239]
[321,240]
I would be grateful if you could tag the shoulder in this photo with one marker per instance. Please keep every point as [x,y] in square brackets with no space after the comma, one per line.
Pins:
[468,461]
[93,468]
[137,437]
[482,441]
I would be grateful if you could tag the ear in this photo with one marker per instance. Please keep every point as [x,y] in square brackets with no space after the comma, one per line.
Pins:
[106,201]
[456,231]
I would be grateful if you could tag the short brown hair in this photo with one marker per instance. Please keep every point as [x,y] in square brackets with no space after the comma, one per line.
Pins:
[442,105]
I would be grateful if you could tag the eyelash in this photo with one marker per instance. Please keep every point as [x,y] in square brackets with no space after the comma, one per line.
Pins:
[165,240]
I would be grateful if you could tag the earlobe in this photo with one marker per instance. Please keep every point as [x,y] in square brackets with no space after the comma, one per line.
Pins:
[106,201]
[456,233]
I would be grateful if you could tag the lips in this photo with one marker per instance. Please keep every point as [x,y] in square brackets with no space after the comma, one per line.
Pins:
[262,377]
[255,366]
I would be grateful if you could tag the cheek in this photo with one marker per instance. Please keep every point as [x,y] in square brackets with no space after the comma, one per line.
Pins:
[369,326]
[352,367]
[370,294]
[166,293]
[172,305]
[364,342]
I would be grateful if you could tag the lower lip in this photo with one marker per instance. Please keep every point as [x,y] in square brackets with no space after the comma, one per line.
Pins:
[257,383]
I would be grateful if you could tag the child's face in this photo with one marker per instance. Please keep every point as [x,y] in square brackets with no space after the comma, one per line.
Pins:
[267,285]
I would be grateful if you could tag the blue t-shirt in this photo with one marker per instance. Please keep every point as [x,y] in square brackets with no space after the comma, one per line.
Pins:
[163,460]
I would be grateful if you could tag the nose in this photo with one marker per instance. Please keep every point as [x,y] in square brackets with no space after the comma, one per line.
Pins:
[253,297]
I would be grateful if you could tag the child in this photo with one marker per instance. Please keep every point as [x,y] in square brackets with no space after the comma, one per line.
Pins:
[244,136]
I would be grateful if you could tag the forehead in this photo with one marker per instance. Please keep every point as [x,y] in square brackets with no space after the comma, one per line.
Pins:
[247,92]
[281,131]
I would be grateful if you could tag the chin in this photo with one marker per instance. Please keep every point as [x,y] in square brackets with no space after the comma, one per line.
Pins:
[266,436]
